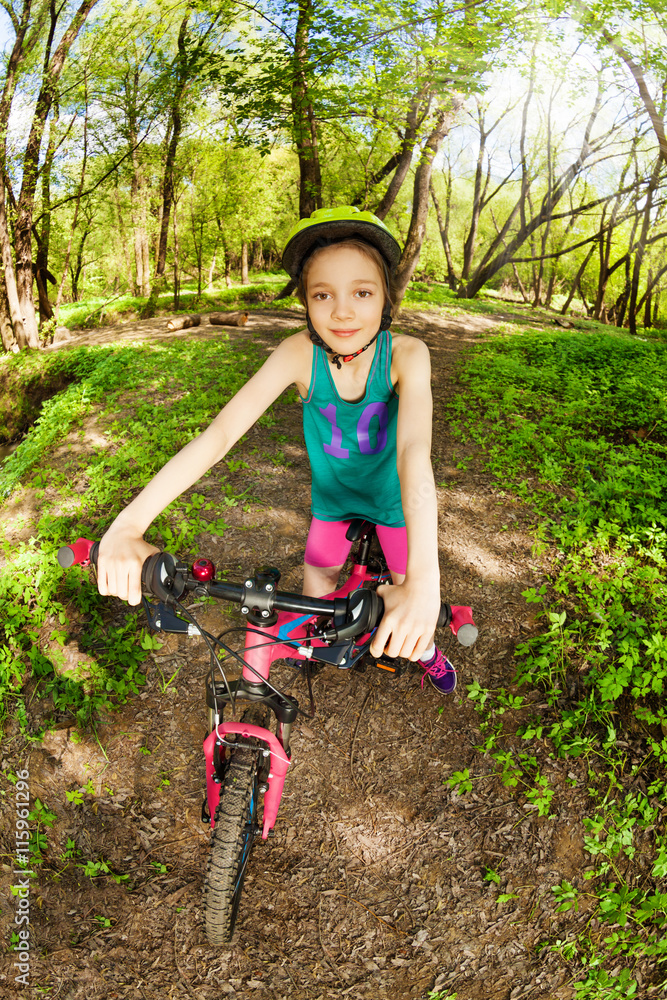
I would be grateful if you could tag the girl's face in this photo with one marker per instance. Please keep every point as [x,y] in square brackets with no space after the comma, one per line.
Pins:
[345,297]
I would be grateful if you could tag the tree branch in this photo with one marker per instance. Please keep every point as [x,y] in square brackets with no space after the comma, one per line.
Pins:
[637,72]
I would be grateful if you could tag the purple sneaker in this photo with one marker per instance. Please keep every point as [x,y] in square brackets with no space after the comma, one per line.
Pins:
[440,672]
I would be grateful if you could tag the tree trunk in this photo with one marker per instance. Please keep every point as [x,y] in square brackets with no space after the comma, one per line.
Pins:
[550,289]
[184,322]
[9,275]
[77,206]
[145,251]
[244,263]
[404,160]
[361,198]
[304,130]
[228,319]
[589,309]
[15,58]
[522,288]
[77,270]
[41,278]
[286,290]
[303,118]
[577,279]
[652,291]
[443,226]
[139,221]
[5,319]
[177,283]
[257,255]
[131,287]
[52,70]
[175,125]
[641,244]
[44,239]
[477,200]
[211,272]
[500,253]
[647,300]
[420,199]
[539,277]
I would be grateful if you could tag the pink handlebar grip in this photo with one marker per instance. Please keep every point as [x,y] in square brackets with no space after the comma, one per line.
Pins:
[462,624]
[77,554]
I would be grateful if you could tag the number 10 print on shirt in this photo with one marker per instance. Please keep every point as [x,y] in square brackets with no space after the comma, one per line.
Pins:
[365,428]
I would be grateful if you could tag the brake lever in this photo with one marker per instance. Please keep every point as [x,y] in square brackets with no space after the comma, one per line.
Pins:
[163,619]
[363,610]
[337,654]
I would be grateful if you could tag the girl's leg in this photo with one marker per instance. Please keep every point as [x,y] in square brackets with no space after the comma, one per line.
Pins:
[436,666]
[327,549]
[318,581]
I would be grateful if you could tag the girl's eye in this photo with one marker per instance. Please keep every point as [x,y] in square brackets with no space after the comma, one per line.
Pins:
[364,293]
[319,296]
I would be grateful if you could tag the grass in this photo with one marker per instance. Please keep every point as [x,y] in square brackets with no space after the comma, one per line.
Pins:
[151,399]
[107,310]
[572,422]
[575,424]
[425,295]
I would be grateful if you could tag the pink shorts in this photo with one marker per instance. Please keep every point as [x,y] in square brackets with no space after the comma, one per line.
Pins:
[328,546]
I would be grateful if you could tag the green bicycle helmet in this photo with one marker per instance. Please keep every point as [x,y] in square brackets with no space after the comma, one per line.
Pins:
[332,225]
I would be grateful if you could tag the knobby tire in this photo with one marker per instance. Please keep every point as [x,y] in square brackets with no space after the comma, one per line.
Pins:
[231,843]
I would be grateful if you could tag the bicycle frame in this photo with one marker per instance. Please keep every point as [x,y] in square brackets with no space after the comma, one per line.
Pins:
[292,629]
[336,630]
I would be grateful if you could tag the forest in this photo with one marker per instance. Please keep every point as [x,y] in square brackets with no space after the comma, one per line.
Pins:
[506,841]
[146,147]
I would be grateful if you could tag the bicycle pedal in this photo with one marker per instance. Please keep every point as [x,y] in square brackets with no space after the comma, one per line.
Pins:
[391,664]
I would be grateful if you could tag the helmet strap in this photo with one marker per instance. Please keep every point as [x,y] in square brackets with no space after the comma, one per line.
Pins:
[335,359]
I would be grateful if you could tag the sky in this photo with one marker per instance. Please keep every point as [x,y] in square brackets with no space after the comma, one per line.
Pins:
[6,30]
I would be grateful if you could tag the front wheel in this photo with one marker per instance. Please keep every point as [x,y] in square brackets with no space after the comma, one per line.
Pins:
[231,843]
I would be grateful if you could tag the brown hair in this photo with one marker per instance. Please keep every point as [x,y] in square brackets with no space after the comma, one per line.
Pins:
[366,249]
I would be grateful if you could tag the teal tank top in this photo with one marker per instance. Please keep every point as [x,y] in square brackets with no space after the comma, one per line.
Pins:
[352,446]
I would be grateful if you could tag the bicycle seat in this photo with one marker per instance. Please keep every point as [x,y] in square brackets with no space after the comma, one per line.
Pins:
[357,528]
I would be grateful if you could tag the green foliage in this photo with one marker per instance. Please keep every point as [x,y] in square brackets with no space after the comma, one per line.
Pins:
[576,425]
[579,423]
[101,868]
[566,895]
[149,401]
[460,780]
[258,294]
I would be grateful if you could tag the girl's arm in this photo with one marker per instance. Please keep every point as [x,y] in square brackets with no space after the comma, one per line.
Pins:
[123,549]
[412,607]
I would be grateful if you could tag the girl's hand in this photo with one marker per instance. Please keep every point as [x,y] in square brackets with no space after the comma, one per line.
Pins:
[120,560]
[408,624]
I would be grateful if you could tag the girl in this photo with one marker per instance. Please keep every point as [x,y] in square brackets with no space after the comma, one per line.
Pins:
[367,424]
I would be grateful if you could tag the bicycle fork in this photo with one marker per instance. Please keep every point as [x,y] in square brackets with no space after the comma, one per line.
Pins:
[251,688]
[279,762]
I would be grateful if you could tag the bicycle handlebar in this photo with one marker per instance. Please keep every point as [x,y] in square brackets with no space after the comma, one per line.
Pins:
[164,578]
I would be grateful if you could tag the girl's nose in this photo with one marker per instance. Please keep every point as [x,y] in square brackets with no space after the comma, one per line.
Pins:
[342,308]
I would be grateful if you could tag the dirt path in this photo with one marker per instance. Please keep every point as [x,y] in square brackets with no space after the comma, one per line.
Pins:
[372,886]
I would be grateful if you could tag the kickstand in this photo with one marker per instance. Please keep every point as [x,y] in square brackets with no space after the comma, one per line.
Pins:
[306,670]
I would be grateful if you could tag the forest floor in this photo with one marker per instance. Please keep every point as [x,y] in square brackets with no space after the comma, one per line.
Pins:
[373,885]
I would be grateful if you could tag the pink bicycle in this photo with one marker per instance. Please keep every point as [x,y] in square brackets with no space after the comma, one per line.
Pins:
[244,758]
